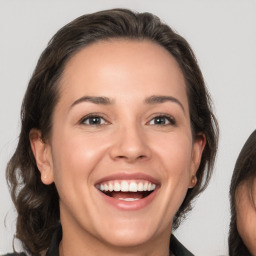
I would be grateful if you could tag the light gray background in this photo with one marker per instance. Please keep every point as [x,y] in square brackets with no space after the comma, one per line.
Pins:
[223,36]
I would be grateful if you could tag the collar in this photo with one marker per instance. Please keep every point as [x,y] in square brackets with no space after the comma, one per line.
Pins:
[177,248]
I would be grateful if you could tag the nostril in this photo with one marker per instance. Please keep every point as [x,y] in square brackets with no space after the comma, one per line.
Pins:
[139,157]
[121,157]
[131,158]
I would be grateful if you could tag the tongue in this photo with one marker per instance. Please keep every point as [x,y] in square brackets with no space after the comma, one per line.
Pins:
[125,195]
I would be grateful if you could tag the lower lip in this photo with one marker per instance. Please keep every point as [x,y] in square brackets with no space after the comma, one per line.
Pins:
[129,205]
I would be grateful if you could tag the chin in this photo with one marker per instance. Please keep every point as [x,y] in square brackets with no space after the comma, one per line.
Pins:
[128,238]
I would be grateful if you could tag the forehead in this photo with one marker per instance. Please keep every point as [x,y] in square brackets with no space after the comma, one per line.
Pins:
[127,66]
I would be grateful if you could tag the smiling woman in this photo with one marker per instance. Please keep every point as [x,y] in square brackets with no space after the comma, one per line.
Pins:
[117,139]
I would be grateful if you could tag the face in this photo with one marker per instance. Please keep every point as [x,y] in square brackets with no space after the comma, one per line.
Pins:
[121,151]
[246,217]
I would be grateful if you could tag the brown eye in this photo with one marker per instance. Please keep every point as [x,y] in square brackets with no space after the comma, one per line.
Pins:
[162,120]
[93,120]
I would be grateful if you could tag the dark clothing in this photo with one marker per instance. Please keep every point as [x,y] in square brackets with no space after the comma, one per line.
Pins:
[14,254]
[54,246]
[176,247]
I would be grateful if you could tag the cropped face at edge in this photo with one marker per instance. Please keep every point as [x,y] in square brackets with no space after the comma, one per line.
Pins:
[246,216]
[121,153]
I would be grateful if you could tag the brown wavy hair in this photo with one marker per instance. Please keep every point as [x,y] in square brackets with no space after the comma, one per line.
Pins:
[37,204]
[244,172]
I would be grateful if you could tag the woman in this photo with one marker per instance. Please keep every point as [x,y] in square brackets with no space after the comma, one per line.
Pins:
[242,234]
[117,139]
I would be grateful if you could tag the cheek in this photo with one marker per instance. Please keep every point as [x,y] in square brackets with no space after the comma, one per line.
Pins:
[246,225]
[75,156]
[175,153]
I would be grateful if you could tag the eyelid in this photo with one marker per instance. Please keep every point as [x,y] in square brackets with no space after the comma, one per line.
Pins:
[170,118]
[90,115]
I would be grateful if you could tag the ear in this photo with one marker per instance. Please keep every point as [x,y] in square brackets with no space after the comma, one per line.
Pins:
[197,151]
[43,156]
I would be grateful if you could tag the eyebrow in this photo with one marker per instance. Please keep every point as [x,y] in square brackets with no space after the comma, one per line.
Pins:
[100,100]
[95,100]
[155,99]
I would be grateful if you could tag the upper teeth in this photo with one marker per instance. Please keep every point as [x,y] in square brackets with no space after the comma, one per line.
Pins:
[126,186]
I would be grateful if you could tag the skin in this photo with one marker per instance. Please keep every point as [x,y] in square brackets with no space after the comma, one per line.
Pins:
[128,140]
[246,217]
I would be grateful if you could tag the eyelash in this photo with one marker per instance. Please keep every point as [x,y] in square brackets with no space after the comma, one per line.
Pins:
[90,117]
[170,119]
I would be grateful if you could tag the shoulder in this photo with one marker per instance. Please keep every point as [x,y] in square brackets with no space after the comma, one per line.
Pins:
[177,248]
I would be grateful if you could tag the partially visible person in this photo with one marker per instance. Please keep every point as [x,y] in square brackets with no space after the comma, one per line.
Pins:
[242,235]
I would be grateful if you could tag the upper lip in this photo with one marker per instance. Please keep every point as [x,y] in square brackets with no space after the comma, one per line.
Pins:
[128,176]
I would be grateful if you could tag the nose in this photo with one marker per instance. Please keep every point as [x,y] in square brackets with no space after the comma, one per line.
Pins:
[130,144]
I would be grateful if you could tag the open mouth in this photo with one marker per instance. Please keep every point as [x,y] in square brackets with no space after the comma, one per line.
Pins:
[128,191]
